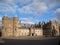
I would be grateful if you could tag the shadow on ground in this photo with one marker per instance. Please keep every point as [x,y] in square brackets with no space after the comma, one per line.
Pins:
[31,42]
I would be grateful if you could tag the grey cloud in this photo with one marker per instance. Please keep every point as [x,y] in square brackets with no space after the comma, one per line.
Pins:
[57,15]
[27,22]
[51,3]
[11,5]
[4,7]
[38,7]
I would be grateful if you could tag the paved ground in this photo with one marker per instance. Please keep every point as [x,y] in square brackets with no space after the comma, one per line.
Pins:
[30,38]
[30,41]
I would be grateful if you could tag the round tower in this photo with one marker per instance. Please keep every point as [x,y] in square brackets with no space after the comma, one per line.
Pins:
[4,25]
[15,25]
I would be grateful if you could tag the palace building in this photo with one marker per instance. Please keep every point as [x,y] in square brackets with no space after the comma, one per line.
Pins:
[11,27]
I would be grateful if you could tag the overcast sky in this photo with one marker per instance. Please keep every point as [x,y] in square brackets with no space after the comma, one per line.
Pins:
[31,11]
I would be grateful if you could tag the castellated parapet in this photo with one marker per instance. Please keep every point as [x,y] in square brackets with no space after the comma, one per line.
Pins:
[9,26]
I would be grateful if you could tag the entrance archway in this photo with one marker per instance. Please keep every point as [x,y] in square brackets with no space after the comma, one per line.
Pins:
[32,34]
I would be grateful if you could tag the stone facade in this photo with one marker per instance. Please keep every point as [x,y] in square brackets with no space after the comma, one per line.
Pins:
[51,28]
[12,28]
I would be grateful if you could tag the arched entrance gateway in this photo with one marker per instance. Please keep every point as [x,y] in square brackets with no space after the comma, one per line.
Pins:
[31,31]
[32,34]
